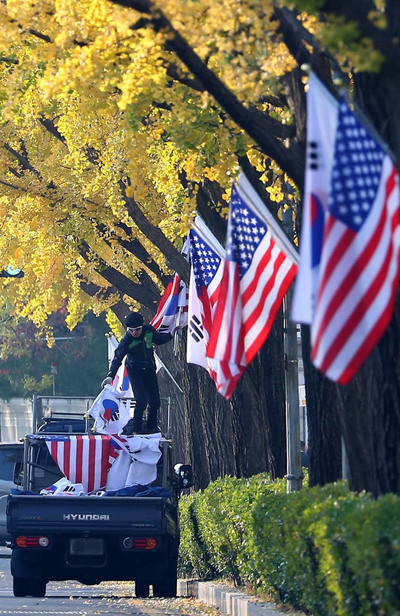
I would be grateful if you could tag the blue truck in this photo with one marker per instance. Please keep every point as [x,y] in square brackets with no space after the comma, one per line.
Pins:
[91,538]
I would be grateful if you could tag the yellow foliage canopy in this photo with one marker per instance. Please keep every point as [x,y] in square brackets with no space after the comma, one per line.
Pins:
[88,105]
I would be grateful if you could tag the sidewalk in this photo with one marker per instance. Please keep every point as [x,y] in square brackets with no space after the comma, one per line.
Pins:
[227,600]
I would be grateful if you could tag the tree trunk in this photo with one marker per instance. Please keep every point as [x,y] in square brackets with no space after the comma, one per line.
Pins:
[324,428]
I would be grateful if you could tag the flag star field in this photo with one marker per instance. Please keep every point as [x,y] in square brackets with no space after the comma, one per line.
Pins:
[356,172]
[247,233]
[205,261]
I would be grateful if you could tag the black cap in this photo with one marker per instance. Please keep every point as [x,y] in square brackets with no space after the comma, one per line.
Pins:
[134,319]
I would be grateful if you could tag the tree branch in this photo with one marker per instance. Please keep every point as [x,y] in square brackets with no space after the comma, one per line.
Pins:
[294,33]
[40,35]
[174,258]
[258,125]
[23,160]
[13,186]
[120,309]
[135,247]
[51,128]
[142,293]
[194,84]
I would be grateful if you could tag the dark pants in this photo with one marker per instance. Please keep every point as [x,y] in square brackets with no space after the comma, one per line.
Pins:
[145,388]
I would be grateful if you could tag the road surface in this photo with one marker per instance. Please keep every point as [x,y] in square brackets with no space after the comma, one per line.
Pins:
[75,599]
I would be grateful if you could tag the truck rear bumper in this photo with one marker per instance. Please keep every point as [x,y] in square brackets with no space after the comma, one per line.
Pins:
[114,564]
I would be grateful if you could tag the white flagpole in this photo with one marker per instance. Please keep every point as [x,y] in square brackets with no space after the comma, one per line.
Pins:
[168,372]
[178,320]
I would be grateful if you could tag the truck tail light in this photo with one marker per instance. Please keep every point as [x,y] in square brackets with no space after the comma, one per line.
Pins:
[139,543]
[35,541]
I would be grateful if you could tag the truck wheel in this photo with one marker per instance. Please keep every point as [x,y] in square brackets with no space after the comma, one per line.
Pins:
[142,589]
[21,587]
[38,588]
[166,587]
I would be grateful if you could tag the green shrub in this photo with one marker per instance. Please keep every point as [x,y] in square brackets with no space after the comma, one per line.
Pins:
[325,550]
[194,560]
[220,525]
[287,558]
[358,540]
[222,517]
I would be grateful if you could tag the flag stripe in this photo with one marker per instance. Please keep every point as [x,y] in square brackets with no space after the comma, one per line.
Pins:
[105,458]
[337,253]
[266,258]
[267,278]
[91,465]
[67,458]
[279,278]
[369,341]
[79,459]
[72,454]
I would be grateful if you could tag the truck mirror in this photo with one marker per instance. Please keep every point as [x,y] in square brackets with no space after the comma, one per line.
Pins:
[17,475]
[184,474]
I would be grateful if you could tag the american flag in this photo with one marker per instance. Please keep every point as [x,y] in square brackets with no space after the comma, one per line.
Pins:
[206,274]
[257,273]
[172,310]
[83,459]
[359,266]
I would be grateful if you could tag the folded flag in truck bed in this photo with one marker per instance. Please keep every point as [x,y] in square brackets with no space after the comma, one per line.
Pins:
[64,487]
[87,458]
[82,458]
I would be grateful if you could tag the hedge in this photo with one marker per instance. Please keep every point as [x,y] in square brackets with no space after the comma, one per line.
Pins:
[325,550]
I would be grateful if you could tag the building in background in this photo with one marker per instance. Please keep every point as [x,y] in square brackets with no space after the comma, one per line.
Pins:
[15,419]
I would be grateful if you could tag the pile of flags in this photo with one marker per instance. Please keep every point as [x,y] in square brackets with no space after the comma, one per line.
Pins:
[98,462]
[348,271]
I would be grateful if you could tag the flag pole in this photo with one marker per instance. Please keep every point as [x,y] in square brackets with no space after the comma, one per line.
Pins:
[168,372]
[178,322]
[294,473]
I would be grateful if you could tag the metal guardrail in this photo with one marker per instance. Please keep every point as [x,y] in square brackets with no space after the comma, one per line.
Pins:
[38,416]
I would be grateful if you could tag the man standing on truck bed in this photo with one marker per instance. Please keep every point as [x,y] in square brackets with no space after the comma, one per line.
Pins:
[137,346]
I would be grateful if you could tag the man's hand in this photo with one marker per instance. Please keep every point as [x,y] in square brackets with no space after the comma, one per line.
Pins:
[107,381]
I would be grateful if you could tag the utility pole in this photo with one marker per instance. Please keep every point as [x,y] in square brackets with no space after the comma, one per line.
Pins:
[294,475]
